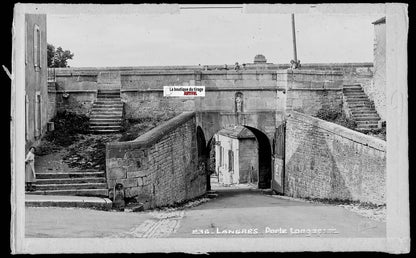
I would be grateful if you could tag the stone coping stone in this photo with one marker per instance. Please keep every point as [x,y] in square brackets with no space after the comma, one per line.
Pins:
[311,72]
[342,131]
[93,71]
[153,135]
[33,200]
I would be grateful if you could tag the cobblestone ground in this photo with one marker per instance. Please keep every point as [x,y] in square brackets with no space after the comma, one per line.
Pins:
[162,224]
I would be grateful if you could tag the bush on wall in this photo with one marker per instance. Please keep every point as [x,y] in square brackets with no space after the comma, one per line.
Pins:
[336,116]
[67,126]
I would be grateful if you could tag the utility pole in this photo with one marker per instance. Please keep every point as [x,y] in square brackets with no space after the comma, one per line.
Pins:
[295,58]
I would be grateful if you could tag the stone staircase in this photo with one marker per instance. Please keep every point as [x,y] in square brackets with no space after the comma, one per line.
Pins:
[361,109]
[79,183]
[107,112]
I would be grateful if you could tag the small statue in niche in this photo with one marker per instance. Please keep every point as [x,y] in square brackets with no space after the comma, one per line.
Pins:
[239,102]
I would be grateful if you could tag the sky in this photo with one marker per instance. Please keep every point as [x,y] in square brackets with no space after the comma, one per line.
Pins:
[210,37]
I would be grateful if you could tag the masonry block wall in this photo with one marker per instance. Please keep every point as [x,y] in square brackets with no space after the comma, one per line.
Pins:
[161,166]
[52,100]
[378,90]
[142,87]
[328,161]
[248,153]
[308,91]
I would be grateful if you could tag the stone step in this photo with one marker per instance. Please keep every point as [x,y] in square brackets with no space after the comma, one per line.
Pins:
[102,131]
[103,119]
[105,123]
[358,103]
[108,101]
[352,89]
[105,127]
[356,95]
[108,96]
[365,114]
[77,192]
[361,106]
[108,112]
[109,91]
[108,105]
[72,186]
[367,124]
[362,110]
[99,109]
[367,128]
[37,200]
[69,175]
[110,123]
[355,86]
[369,119]
[104,116]
[355,99]
[70,180]
[117,119]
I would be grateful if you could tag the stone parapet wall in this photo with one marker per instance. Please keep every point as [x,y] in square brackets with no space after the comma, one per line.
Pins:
[328,161]
[161,166]
[153,77]
[310,90]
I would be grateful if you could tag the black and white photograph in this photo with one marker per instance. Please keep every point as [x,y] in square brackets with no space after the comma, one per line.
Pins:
[209,128]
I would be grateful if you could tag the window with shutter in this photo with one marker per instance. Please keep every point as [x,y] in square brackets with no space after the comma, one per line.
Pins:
[36,47]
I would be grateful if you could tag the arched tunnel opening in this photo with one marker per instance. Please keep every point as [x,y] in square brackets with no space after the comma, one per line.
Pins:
[264,158]
[203,155]
[263,165]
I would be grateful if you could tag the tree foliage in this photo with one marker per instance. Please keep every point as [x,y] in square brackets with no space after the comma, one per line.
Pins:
[57,57]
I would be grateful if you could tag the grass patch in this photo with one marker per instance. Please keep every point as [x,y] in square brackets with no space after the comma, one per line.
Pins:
[336,116]
[133,128]
[365,205]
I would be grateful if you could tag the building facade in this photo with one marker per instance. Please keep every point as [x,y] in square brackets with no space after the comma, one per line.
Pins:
[36,73]
[378,95]
[236,156]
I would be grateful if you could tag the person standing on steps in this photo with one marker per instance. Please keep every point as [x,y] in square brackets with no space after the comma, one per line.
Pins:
[30,175]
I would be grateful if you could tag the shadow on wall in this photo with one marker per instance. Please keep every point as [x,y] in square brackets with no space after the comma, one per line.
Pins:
[264,158]
[203,156]
[312,170]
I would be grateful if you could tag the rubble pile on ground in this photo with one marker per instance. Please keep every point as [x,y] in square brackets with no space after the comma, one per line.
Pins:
[89,152]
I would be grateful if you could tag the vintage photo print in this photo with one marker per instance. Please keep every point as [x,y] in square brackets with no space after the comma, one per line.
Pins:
[209,128]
